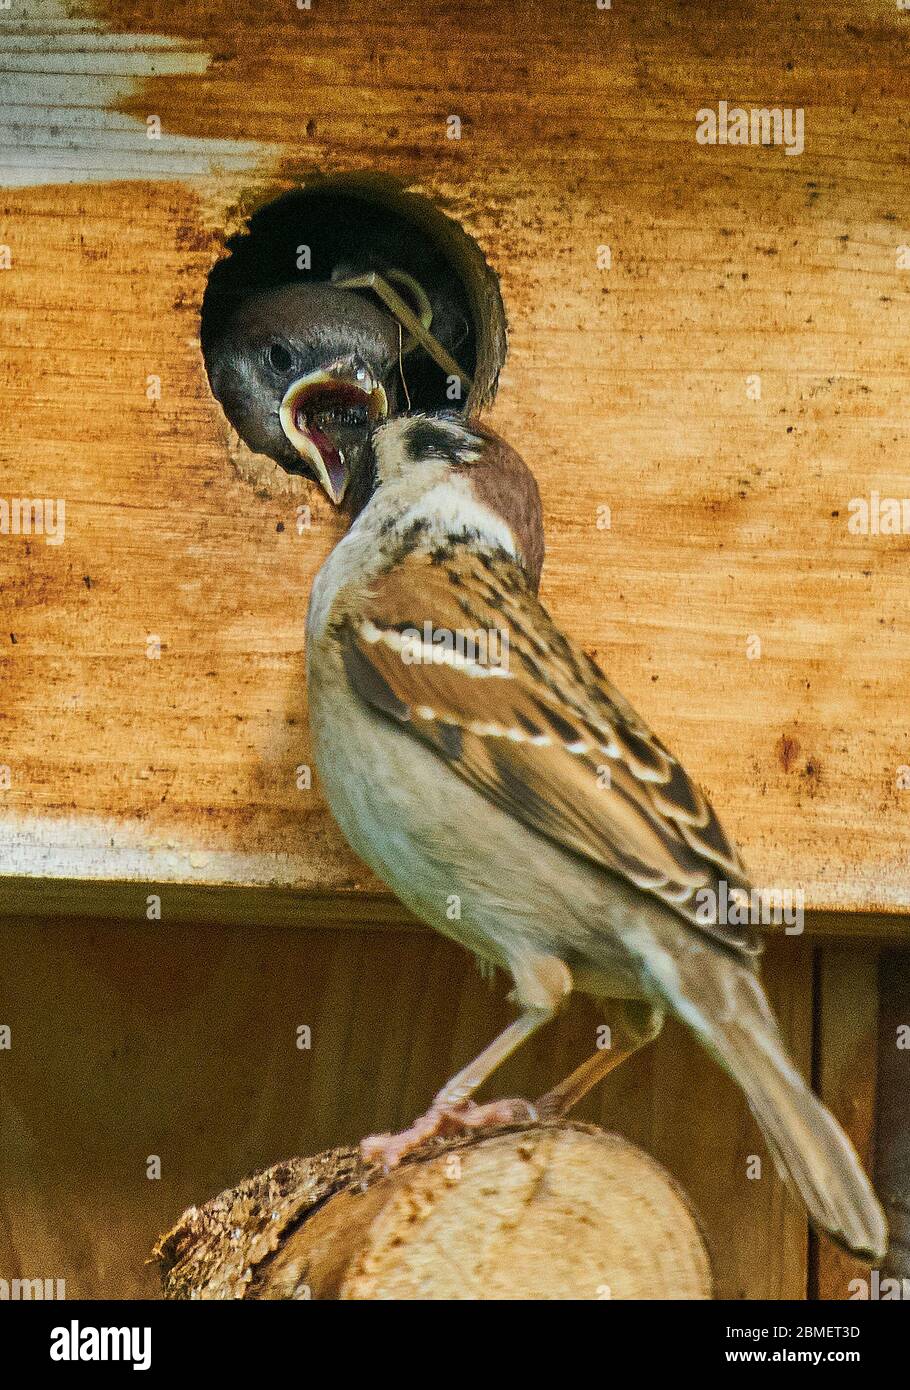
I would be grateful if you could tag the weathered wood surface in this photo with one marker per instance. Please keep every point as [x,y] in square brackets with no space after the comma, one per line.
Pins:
[624,387]
[136,1040]
[543,1212]
[847,1060]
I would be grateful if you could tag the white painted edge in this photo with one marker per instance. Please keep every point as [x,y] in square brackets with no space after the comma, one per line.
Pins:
[60,79]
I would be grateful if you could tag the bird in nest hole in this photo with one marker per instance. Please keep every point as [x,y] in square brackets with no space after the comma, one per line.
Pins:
[527,791]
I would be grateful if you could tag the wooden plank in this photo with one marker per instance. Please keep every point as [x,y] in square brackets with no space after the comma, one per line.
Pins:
[847,1006]
[62,80]
[133,1040]
[625,387]
[188,903]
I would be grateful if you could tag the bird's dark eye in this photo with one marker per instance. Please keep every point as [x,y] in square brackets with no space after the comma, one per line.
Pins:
[280,358]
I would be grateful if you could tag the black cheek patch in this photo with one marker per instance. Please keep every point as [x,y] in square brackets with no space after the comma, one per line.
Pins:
[425,439]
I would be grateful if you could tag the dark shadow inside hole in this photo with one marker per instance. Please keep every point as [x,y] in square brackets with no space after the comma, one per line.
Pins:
[351,227]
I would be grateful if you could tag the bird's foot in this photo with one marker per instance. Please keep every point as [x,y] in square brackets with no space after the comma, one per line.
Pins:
[444,1120]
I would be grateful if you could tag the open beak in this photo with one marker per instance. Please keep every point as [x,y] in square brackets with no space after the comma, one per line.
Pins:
[321,411]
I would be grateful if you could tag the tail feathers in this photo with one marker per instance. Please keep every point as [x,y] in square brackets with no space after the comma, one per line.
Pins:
[809,1148]
[720,997]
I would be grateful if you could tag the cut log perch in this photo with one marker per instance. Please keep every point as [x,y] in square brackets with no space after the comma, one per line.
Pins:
[538,1212]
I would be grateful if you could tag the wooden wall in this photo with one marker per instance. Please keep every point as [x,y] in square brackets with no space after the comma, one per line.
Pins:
[131,773]
[625,387]
[140,1039]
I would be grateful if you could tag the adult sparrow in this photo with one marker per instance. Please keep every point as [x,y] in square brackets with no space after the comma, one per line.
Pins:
[517,803]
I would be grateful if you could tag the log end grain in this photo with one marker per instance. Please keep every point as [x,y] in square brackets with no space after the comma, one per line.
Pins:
[543,1212]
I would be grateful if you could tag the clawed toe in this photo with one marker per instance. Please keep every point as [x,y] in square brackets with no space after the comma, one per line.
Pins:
[444,1120]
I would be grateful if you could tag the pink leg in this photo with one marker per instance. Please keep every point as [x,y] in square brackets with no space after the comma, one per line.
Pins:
[452,1111]
[641,1024]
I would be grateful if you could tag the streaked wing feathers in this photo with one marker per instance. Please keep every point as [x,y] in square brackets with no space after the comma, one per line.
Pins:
[547,738]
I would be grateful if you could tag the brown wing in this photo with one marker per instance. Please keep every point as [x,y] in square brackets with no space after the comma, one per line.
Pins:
[545,736]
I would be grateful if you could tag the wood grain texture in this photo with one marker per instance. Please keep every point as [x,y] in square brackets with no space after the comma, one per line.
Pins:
[545,1212]
[139,1039]
[624,387]
[62,76]
[846,1065]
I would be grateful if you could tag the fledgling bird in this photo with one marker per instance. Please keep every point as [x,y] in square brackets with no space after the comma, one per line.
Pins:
[460,780]
[340,353]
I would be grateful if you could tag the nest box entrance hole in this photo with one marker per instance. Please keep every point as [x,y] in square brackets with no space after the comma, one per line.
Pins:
[395,247]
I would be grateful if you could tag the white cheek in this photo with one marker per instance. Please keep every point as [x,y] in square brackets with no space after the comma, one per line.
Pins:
[451,507]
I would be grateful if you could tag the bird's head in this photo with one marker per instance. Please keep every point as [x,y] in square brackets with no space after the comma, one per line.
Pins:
[453,477]
[304,374]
